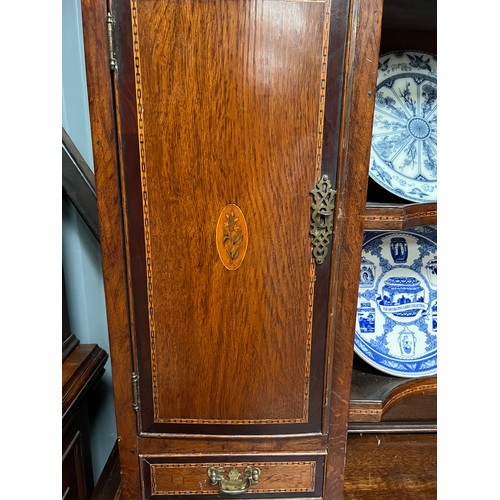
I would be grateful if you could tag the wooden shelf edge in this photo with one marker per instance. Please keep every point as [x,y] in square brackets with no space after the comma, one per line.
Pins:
[398,217]
[419,427]
[376,397]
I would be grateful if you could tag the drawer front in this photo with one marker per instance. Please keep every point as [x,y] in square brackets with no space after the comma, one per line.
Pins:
[280,477]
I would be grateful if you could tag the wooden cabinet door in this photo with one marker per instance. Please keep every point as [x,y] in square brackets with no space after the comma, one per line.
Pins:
[221,109]
[223,322]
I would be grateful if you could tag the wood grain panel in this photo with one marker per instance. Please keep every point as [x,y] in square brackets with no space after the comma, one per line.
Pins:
[229,110]
[385,466]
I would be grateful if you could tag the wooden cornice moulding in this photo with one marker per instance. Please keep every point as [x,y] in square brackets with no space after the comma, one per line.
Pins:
[397,217]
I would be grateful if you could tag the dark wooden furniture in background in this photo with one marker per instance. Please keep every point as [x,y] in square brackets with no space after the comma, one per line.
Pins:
[231,346]
[392,441]
[82,368]
[108,484]
[82,364]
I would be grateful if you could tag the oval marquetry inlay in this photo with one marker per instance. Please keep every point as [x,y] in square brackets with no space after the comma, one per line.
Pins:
[232,237]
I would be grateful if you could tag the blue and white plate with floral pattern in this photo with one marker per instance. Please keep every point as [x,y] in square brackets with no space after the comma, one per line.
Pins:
[396,323]
[404,138]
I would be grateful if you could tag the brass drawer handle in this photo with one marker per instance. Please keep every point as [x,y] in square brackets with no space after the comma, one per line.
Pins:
[233,485]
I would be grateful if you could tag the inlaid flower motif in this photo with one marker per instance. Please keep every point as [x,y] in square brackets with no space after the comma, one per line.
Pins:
[232,237]
[231,222]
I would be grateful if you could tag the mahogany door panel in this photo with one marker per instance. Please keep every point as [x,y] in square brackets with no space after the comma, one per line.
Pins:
[220,116]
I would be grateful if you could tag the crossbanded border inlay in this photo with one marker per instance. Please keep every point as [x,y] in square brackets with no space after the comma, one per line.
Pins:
[156,468]
[147,236]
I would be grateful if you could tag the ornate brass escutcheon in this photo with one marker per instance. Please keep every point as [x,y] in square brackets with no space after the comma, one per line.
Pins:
[233,484]
[322,210]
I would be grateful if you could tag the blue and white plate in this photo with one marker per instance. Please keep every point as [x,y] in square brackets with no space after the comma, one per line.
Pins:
[404,138]
[396,323]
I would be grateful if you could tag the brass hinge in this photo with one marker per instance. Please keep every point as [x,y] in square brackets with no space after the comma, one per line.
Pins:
[135,391]
[111,45]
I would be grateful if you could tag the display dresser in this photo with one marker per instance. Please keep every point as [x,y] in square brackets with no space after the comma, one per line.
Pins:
[231,142]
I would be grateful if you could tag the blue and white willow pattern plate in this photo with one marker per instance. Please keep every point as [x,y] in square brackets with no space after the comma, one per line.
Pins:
[404,138]
[396,323]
